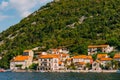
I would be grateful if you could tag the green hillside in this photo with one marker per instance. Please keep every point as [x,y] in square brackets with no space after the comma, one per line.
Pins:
[73,24]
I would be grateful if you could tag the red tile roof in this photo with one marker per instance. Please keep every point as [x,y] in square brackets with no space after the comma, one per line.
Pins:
[82,63]
[97,46]
[60,62]
[27,50]
[20,58]
[105,59]
[117,56]
[64,55]
[98,61]
[69,59]
[49,56]
[101,56]
[83,57]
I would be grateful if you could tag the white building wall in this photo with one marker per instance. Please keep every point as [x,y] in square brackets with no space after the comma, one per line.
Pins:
[87,60]
[51,63]
[13,65]
[24,64]
[117,59]
[78,60]
[31,53]
[107,49]
[55,64]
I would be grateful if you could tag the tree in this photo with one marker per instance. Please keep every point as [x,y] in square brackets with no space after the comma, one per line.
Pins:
[19,66]
[115,64]
[93,21]
[33,66]
[108,66]
[94,56]
[88,65]
[113,41]
[72,66]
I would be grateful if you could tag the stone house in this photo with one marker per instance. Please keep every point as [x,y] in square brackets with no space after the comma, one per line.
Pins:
[22,61]
[93,49]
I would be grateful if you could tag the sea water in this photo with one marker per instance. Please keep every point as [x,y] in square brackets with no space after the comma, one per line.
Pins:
[58,76]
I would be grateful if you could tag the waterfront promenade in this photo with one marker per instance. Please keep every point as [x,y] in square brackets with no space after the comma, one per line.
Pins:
[64,71]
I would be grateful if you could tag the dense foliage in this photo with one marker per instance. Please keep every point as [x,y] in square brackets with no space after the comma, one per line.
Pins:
[70,23]
[33,66]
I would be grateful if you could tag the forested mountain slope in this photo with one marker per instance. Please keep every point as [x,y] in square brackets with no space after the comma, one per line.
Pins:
[73,24]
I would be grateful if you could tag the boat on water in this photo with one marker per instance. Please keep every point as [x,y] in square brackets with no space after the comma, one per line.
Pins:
[43,71]
[2,70]
[7,70]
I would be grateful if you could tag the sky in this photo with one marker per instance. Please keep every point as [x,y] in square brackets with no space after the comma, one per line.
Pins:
[12,11]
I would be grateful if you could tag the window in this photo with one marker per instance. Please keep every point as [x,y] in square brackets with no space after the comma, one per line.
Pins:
[48,64]
[55,61]
[45,59]
[25,53]
[40,59]
[48,59]
[94,64]
[45,64]
[55,66]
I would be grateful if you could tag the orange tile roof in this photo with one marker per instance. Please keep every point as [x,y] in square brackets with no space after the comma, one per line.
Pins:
[55,50]
[64,55]
[49,56]
[83,56]
[89,57]
[105,59]
[98,61]
[69,59]
[27,50]
[80,63]
[101,55]
[117,56]
[60,62]
[80,56]
[20,58]
[97,46]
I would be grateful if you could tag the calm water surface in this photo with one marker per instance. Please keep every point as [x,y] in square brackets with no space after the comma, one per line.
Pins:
[59,76]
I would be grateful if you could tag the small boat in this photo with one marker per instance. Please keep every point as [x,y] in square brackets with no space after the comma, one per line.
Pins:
[42,71]
[2,70]
[8,70]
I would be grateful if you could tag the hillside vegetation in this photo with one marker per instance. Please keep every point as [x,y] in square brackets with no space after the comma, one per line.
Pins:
[73,24]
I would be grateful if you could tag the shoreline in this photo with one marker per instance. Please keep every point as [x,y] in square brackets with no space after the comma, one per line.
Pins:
[78,71]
